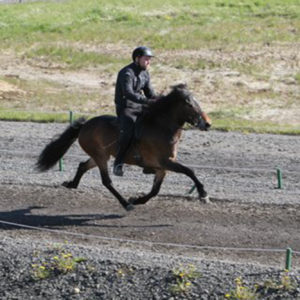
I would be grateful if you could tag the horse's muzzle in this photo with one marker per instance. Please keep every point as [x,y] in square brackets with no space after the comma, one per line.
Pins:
[203,125]
[204,122]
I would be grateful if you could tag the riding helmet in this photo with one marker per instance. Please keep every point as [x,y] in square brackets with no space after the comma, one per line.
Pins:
[141,51]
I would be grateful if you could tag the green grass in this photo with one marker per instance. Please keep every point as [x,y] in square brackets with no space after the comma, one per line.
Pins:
[251,126]
[221,121]
[44,29]
[297,78]
[74,58]
[14,115]
[173,25]
[236,119]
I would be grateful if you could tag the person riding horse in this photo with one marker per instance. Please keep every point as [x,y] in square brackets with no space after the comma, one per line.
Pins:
[157,145]
[133,94]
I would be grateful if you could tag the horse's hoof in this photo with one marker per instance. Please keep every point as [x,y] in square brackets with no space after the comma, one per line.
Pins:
[129,207]
[68,184]
[205,199]
[131,200]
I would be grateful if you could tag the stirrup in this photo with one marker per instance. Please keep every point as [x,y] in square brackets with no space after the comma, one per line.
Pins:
[118,170]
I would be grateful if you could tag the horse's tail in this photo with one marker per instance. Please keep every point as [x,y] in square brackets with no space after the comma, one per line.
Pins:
[56,149]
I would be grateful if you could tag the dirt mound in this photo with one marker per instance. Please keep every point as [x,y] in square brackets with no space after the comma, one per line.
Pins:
[9,91]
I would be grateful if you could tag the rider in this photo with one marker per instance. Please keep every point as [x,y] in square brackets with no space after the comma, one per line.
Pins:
[133,93]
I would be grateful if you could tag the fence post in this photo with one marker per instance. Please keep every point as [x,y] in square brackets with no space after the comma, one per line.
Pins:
[192,189]
[279,178]
[71,117]
[61,164]
[288,259]
[61,161]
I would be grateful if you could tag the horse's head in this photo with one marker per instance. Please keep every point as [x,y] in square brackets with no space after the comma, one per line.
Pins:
[189,108]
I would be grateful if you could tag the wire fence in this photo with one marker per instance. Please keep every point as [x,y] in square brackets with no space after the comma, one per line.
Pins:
[288,251]
[151,243]
[196,166]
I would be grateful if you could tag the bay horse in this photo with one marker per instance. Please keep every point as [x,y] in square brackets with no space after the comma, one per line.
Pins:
[154,147]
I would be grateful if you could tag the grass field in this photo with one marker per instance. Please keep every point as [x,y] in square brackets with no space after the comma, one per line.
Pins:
[241,58]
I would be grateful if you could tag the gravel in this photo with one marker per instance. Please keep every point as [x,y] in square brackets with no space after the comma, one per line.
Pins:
[122,274]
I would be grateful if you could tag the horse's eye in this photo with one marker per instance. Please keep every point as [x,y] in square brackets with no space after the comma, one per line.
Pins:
[188,101]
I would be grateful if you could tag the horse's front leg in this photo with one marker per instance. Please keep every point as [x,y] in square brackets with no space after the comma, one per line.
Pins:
[158,179]
[179,168]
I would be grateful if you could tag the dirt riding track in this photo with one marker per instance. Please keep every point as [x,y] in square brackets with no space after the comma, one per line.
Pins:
[238,170]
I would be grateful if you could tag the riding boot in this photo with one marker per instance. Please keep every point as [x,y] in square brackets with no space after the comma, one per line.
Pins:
[124,144]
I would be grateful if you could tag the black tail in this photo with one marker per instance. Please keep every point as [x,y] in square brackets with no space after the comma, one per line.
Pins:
[56,149]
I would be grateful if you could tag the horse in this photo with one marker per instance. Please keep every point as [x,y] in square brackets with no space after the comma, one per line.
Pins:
[154,147]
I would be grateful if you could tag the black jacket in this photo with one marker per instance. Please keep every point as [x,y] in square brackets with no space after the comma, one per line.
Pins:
[133,90]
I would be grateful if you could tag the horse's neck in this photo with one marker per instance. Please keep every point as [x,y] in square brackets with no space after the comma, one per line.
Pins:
[167,125]
[170,120]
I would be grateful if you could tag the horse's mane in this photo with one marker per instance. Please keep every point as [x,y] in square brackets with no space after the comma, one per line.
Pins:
[165,102]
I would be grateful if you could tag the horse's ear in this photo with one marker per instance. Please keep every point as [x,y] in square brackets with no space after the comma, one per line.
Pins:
[180,86]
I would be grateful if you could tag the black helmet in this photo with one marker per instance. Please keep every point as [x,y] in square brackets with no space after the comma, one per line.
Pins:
[141,51]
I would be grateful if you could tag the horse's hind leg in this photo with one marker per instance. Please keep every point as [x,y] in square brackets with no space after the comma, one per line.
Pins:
[83,167]
[179,168]
[108,184]
[158,179]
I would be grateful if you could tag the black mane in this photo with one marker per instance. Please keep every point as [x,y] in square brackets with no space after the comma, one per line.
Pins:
[178,93]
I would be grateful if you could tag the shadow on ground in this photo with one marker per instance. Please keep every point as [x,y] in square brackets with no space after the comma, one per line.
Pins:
[24,218]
